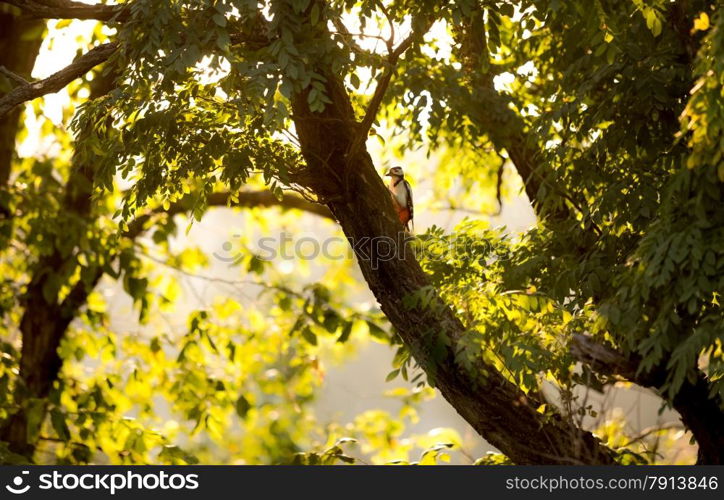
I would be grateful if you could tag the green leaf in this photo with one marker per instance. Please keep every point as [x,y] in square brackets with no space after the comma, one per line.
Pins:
[59,425]
[242,406]
[34,414]
[392,375]
[309,335]
[219,19]
[314,15]
[507,9]
[376,331]
[223,41]
[346,331]
[331,321]
[175,455]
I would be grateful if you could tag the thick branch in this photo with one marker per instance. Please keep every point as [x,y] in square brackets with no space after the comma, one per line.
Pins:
[248,199]
[57,81]
[348,39]
[489,110]
[68,9]
[604,359]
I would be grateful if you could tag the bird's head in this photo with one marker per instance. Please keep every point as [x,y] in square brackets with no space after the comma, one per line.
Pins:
[395,172]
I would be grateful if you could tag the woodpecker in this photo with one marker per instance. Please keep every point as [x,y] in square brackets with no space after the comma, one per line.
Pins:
[401,196]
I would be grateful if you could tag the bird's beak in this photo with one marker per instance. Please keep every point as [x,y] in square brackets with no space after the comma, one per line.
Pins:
[388,173]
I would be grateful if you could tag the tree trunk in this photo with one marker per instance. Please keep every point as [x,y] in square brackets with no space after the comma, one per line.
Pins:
[20,40]
[704,417]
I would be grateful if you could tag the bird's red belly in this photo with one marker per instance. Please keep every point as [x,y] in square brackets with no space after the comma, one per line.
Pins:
[404,215]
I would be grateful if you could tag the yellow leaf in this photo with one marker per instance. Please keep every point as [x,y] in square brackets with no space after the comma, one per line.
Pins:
[227,308]
[95,302]
[567,317]
[701,23]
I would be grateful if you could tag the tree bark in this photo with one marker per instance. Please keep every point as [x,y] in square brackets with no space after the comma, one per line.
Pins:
[69,9]
[704,417]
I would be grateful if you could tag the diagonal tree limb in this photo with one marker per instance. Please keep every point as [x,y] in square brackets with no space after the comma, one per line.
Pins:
[348,38]
[86,62]
[498,410]
[604,359]
[57,81]
[506,129]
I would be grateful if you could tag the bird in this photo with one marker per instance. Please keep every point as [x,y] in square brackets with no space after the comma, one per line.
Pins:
[401,196]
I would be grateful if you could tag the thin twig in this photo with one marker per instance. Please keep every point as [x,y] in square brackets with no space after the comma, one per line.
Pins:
[390,41]
[651,430]
[13,76]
